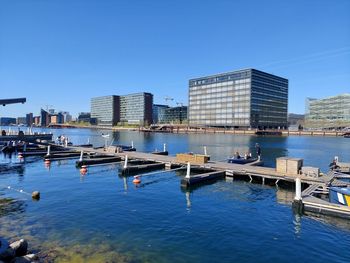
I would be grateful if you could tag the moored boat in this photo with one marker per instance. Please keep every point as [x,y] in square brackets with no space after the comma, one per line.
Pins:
[241,160]
[339,195]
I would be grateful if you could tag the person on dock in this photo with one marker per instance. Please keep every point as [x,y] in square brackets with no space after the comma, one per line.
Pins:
[333,165]
[237,156]
[258,150]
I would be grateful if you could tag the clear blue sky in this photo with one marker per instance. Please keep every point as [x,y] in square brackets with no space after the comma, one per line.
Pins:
[62,53]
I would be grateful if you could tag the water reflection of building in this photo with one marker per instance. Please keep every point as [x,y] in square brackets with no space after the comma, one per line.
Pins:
[328,113]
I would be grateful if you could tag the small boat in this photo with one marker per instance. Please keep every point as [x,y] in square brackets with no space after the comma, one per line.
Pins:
[339,195]
[241,160]
[346,135]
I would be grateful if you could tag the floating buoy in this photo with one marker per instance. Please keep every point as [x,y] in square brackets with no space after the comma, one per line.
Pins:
[137,179]
[20,155]
[83,170]
[36,195]
[47,161]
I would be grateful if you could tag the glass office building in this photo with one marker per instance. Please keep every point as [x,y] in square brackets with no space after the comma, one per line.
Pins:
[159,112]
[328,113]
[136,108]
[243,98]
[106,110]
[175,115]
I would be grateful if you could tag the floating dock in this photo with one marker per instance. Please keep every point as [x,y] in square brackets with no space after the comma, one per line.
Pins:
[308,200]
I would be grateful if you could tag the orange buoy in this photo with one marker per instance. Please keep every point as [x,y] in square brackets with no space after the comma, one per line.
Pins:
[47,161]
[136,180]
[83,169]
[20,155]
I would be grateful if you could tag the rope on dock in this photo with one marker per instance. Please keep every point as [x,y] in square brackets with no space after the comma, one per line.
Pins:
[17,190]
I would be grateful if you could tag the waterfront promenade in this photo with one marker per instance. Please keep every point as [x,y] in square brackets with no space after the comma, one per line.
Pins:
[200,130]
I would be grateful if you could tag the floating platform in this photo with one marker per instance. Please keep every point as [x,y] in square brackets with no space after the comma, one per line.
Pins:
[63,156]
[202,178]
[161,153]
[94,160]
[27,137]
[136,169]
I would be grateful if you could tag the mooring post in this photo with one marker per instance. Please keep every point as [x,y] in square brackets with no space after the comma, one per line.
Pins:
[188,171]
[132,144]
[164,147]
[205,150]
[81,156]
[48,149]
[126,162]
[297,189]
[297,205]
[88,141]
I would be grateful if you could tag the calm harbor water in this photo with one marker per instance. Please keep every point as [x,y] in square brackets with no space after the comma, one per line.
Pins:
[102,217]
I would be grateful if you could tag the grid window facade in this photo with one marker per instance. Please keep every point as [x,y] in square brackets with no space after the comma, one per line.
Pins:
[105,110]
[136,108]
[244,98]
[328,113]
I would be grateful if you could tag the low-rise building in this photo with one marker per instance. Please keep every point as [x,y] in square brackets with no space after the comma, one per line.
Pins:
[175,115]
[5,121]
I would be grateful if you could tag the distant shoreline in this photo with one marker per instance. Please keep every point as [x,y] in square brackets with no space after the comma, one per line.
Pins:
[204,130]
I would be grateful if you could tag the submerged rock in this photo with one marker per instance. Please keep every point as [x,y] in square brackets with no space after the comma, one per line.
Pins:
[20,247]
[25,259]
[8,254]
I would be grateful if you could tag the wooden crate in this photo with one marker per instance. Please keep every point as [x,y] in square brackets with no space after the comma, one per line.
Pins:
[310,171]
[192,158]
[294,165]
[281,165]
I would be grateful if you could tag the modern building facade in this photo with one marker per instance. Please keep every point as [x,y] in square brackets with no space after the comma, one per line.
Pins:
[175,115]
[136,108]
[21,121]
[29,119]
[106,110]
[328,113]
[84,117]
[159,113]
[244,98]
[44,118]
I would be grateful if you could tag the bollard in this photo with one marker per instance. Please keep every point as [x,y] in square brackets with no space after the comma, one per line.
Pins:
[81,156]
[48,150]
[188,170]
[298,206]
[205,150]
[132,144]
[336,159]
[164,147]
[126,162]
[297,189]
